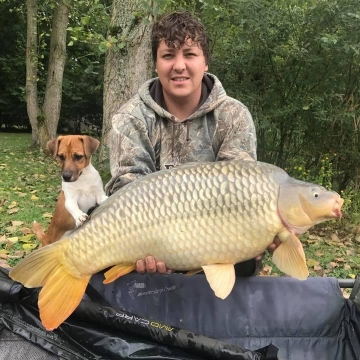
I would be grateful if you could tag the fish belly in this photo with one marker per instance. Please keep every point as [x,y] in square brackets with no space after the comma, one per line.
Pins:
[187,217]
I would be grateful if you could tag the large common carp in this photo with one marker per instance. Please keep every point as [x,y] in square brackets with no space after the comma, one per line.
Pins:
[207,216]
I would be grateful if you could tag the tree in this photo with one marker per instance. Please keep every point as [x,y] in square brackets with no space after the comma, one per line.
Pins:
[44,119]
[12,67]
[128,61]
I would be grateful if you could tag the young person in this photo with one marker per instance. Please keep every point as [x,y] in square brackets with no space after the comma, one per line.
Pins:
[183,115]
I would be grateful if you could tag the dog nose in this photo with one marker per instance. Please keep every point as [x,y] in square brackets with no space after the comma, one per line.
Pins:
[66,177]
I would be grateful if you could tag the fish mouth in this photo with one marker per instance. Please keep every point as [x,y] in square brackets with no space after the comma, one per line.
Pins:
[336,211]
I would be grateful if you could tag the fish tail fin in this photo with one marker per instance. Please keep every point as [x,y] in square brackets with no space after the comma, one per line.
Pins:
[55,304]
[289,257]
[44,267]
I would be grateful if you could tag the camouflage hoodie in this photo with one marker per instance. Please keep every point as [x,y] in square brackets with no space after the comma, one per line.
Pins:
[145,137]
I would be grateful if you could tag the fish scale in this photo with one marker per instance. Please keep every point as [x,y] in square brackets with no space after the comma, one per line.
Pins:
[216,217]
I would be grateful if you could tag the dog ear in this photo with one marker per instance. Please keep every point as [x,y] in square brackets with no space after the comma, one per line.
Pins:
[90,145]
[53,146]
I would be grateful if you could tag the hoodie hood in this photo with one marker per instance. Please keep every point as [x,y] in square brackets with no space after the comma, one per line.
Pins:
[207,103]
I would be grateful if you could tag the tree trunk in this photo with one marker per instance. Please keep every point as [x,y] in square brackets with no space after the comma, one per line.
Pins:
[44,121]
[53,93]
[31,69]
[128,67]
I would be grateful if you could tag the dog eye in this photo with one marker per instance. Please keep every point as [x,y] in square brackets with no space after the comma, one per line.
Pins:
[60,157]
[78,157]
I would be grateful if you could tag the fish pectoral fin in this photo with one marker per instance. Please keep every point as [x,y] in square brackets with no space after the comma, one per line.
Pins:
[289,257]
[221,278]
[193,272]
[116,271]
[55,303]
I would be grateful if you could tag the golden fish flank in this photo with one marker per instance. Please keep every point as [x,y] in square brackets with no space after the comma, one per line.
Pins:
[199,216]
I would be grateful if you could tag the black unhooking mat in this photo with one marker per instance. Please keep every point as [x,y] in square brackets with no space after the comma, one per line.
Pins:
[174,317]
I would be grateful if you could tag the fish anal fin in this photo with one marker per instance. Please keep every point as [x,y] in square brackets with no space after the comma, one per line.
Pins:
[116,271]
[60,296]
[289,257]
[221,278]
[193,272]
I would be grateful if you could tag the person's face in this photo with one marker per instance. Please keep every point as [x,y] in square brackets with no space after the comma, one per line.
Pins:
[181,70]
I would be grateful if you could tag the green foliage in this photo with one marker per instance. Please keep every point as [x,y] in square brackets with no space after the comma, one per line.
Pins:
[296,65]
[12,66]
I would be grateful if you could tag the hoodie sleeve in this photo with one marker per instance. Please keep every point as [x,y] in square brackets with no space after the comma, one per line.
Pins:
[236,133]
[131,152]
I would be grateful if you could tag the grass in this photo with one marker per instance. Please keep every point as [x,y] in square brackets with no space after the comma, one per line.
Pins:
[30,183]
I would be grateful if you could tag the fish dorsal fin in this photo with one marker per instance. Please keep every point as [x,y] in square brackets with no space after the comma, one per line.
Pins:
[289,257]
[55,303]
[193,272]
[221,278]
[116,271]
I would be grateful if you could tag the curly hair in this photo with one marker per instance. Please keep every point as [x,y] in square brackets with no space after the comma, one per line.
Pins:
[178,28]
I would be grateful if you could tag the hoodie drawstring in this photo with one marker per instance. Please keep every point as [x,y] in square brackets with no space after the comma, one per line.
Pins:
[188,130]
[173,141]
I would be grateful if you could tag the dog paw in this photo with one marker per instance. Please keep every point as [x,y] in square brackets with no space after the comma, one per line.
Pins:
[81,219]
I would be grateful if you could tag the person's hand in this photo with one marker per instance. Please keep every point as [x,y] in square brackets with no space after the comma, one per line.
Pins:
[151,266]
[271,248]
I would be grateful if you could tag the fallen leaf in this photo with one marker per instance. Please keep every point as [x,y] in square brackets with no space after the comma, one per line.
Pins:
[2,239]
[16,223]
[312,262]
[18,254]
[350,252]
[29,246]
[4,264]
[34,197]
[352,276]
[11,228]
[313,237]
[331,243]
[334,237]
[318,254]
[26,231]
[266,270]
[13,204]
[13,211]
[347,267]
[339,259]
[13,240]
[26,238]
[333,265]
[47,215]
[317,267]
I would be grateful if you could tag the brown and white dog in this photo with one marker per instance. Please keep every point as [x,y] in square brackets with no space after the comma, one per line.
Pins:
[82,187]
